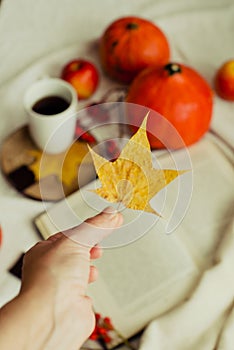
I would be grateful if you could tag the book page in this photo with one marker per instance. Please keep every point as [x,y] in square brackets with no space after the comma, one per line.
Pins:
[142,280]
[211,207]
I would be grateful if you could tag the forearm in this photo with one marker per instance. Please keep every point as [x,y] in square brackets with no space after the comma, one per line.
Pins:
[25,323]
[45,320]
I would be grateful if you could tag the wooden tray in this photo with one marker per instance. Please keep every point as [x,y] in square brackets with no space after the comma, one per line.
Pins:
[44,176]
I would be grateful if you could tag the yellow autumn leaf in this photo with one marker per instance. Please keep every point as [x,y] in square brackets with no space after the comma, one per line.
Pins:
[131,179]
[64,165]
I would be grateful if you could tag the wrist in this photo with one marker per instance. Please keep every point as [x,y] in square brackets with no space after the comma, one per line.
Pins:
[37,312]
[60,316]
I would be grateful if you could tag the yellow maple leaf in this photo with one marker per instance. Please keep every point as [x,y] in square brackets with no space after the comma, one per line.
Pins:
[131,178]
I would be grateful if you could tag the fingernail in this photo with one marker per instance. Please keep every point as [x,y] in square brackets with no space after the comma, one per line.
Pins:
[111,212]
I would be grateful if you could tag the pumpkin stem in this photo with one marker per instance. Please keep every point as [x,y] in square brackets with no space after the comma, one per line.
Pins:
[172,68]
[131,26]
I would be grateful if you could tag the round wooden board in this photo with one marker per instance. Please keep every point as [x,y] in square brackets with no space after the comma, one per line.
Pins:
[44,176]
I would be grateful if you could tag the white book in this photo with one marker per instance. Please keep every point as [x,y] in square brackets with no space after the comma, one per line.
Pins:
[146,272]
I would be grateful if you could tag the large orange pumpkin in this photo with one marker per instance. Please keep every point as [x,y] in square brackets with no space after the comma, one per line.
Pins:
[178,93]
[130,44]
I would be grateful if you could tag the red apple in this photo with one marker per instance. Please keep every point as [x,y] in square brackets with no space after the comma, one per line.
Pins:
[224,80]
[82,75]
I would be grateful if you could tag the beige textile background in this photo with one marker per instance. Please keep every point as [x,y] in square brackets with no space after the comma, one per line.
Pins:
[31,30]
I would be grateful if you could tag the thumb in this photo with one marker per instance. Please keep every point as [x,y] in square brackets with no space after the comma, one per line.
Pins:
[95,229]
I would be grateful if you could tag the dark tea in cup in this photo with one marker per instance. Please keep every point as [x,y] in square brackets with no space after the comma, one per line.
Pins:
[50,105]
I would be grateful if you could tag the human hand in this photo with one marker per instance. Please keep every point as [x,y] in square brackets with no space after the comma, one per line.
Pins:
[55,276]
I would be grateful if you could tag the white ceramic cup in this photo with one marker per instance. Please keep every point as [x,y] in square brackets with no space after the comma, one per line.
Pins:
[52,133]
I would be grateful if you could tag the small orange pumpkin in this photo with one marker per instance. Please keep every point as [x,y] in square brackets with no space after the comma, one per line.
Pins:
[131,44]
[179,94]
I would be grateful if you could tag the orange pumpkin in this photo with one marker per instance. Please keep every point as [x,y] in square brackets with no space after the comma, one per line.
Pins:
[179,94]
[131,44]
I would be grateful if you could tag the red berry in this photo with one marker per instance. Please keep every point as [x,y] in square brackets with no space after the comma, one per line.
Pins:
[97,112]
[107,338]
[108,323]
[83,135]
[102,330]
[97,316]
